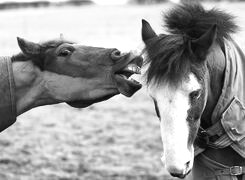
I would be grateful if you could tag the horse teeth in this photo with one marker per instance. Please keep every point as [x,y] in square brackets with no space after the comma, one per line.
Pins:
[130,68]
[134,68]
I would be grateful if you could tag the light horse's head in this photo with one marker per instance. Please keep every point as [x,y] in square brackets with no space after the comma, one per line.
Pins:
[102,72]
[178,78]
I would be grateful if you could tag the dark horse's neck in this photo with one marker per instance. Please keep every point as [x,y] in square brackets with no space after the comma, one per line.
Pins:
[216,65]
[30,89]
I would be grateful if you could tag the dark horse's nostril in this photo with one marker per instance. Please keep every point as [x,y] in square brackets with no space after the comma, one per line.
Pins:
[115,55]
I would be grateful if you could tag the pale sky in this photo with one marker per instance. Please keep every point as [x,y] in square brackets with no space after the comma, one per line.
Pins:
[102,2]
[30,0]
[109,2]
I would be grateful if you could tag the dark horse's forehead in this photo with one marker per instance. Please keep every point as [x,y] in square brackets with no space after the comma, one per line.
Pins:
[55,43]
[170,60]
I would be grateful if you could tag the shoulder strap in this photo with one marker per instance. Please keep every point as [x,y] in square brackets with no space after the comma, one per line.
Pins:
[213,137]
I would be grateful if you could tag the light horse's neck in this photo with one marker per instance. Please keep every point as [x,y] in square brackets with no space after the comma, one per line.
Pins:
[216,65]
[216,69]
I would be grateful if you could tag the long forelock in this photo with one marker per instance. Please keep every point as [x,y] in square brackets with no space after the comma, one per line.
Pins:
[169,60]
[168,56]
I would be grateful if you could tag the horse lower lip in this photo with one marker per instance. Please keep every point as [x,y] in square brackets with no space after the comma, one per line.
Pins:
[127,87]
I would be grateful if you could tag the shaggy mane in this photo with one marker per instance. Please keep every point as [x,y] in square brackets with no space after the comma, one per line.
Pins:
[193,20]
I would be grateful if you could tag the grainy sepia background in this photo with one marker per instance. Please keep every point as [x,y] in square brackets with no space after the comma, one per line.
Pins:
[114,140]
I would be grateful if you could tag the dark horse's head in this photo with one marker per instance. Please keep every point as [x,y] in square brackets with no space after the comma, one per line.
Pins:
[178,76]
[103,72]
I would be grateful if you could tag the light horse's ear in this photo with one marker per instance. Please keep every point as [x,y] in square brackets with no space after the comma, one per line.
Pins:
[29,48]
[201,46]
[147,32]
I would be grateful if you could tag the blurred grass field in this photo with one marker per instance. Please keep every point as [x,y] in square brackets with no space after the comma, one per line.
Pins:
[114,140]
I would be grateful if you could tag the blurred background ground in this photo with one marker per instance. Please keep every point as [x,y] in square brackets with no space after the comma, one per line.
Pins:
[114,140]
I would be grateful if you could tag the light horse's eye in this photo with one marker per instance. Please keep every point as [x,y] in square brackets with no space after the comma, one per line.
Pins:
[64,52]
[156,108]
[194,95]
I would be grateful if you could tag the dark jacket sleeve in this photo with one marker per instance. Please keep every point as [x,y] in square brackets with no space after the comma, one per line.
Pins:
[7,94]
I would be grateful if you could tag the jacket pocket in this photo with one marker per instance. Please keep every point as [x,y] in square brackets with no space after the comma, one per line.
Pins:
[233,120]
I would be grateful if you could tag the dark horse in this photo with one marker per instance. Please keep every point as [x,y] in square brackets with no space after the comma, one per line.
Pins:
[196,78]
[63,71]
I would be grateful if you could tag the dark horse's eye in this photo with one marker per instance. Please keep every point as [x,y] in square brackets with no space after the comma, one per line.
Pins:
[64,52]
[195,95]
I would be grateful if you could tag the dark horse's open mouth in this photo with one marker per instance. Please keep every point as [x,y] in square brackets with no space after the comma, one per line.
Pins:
[125,67]
[126,85]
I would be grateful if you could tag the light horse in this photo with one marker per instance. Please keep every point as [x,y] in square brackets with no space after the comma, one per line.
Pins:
[195,77]
[63,71]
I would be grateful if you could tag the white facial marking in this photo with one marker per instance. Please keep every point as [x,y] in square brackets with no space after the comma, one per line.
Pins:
[173,104]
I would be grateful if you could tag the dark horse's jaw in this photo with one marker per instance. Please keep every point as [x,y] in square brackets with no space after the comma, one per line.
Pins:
[83,104]
[125,85]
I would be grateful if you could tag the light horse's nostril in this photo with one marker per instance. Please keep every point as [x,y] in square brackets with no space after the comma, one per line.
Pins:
[116,54]
[178,175]
[188,165]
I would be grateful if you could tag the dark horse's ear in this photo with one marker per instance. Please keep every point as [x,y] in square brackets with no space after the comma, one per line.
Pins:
[29,48]
[147,32]
[201,46]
